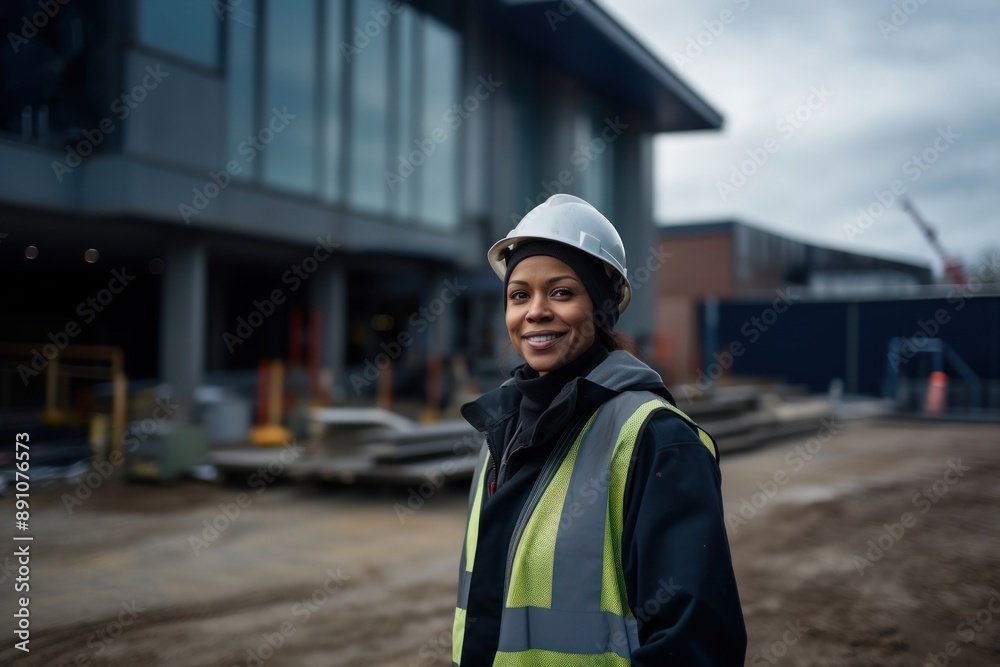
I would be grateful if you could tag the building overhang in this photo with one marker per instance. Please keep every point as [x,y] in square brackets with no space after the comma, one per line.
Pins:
[587,42]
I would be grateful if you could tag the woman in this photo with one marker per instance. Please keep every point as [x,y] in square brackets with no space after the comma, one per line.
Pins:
[596,532]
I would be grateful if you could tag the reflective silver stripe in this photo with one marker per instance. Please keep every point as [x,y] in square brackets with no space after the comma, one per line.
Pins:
[589,633]
[578,562]
[464,582]
[464,576]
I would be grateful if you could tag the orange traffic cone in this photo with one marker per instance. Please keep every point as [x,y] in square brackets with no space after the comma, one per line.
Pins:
[937,390]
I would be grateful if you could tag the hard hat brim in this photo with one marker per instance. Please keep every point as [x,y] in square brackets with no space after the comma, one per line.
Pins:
[497,257]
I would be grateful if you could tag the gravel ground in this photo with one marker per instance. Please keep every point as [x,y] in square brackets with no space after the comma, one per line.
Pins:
[875,543]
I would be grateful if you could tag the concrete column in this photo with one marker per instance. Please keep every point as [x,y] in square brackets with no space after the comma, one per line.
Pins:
[328,295]
[633,216]
[182,320]
[440,334]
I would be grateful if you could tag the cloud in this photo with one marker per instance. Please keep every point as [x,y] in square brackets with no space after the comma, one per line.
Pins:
[892,92]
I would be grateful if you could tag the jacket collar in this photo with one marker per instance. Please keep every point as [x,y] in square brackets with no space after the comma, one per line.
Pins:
[619,372]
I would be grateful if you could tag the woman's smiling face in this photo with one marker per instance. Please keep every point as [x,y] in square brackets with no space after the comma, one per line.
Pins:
[550,317]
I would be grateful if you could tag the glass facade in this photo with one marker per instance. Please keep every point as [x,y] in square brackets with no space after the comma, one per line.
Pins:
[187,28]
[404,191]
[289,112]
[369,109]
[440,123]
[375,93]
[331,85]
[54,87]
[241,68]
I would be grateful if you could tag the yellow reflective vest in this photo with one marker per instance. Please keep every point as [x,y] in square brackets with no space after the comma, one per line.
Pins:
[564,590]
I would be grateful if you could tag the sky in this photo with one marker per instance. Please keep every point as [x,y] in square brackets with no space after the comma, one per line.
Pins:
[826,104]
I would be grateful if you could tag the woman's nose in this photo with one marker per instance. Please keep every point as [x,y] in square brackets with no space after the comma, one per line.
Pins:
[538,311]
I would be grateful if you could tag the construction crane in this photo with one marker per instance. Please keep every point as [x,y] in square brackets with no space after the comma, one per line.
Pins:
[952,265]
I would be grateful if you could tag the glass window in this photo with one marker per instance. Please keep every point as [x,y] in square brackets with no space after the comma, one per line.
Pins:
[187,28]
[333,79]
[55,86]
[241,64]
[369,109]
[404,190]
[290,81]
[441,69]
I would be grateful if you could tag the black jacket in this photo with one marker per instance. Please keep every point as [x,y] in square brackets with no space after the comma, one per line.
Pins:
[678,569]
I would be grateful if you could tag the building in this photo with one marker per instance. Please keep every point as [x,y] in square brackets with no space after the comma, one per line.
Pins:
[731,261]
[191,180]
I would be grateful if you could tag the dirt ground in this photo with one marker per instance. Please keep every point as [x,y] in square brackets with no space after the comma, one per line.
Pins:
[878,542]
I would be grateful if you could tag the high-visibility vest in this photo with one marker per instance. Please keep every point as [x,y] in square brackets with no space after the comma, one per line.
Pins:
[565,597]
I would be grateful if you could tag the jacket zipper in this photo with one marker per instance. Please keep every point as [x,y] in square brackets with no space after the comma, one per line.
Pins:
[493,461]
[544,477]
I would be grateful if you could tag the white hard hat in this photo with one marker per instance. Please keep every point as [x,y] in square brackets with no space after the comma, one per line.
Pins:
[572,221]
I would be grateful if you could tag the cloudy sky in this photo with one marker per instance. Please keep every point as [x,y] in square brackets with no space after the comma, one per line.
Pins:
[896,85]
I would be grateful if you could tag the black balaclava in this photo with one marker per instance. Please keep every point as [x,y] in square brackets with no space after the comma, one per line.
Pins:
[538,392]
[599,286]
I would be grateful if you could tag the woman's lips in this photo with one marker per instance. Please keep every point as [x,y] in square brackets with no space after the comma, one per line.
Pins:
[542,341]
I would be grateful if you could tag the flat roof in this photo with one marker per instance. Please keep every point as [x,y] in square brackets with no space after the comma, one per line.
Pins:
[711,227]
[589,43]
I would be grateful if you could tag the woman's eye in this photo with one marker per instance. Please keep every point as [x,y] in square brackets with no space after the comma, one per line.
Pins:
[514,296]
[563,291]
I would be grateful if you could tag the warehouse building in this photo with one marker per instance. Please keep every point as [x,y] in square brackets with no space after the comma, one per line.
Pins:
[738,303]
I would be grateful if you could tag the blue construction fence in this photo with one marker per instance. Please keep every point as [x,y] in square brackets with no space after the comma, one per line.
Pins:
[807,343]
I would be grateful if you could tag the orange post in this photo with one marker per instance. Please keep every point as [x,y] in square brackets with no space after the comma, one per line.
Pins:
[384,399]
[275,407]
[937,392]
[263,375]
[295,339]
[434,382]
[314,352]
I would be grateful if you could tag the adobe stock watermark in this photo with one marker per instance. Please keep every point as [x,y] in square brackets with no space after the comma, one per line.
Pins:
[295,277]
[923,500]
[99,641]
[302,611]
[966,631]
[665,592]
[915,167]
[786,126]
[581,160]
[432,651]
[224,8]
[131,438]
[230,512]
[88,310]
[752,329]
[779,649]
[898,17]
[797,457]
[468,448]
[419,321]
[30,25]
[656,258]
[703,40]
[249,149]
[927,330]
[453,119]
[362,36]
[562,12]
[122,106]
